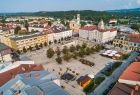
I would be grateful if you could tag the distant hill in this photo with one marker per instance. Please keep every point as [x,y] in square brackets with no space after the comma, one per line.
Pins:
[125,10]
[85,14]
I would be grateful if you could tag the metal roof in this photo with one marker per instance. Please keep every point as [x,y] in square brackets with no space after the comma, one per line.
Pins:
[33,83]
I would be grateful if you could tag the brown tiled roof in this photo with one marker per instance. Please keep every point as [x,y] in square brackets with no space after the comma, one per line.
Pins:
[24,68]
[89,28]
[94,27]
[84,80]
[124,89]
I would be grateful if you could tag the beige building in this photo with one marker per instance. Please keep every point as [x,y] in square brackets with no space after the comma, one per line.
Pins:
[128,42]
[26,41]
[98,34]
[18,43]
[5,53]
[75,24]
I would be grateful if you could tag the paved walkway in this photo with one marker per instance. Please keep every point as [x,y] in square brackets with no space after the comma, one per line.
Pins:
[116,74]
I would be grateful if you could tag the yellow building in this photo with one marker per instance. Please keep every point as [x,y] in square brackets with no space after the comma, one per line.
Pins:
[6,40]
[127,42]
[75,24]
[26,41]
[18,43]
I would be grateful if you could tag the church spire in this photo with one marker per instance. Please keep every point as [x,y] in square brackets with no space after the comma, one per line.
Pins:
[101,25]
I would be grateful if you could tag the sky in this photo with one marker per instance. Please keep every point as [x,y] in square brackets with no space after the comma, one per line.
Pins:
[65,5]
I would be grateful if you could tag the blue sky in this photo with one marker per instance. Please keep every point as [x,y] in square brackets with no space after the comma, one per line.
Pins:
[62,5]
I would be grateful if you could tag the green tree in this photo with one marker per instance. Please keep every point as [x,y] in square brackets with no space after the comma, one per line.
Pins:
[78,47]
[36,46]
[81,52]
[26,25]
[50,53]
[18,51]
[41,45]
[59,41]
[58,52]
[136,27]
[62,39]
[83,23]
[45,43]
[75,54]
[55,41]
[93,50]
[50,42]
[67,57]
[72,48]
[99,47]
[59,60]
[65,38]
[30,48]
[84,45]
[24,50]
[32,30]
[49,23]
[17,29]
[88,51]
[3,20]
[65,50]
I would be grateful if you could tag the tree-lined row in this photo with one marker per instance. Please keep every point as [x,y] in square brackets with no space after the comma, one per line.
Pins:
[73,52]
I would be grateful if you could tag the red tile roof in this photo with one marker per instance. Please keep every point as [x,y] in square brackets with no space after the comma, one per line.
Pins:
[124,89]
[94,27]
[132,73]
[89,28]
[6,76]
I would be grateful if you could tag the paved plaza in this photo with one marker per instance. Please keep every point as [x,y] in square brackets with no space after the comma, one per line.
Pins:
[74,65]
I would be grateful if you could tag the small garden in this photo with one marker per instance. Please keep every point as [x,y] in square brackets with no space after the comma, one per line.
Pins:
[93,84]
[78,51]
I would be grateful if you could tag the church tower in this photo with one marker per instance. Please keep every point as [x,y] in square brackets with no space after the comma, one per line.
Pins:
[101,25]
[78,19]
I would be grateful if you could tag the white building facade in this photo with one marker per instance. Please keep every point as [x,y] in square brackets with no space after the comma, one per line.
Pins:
[59,35]
[98,34]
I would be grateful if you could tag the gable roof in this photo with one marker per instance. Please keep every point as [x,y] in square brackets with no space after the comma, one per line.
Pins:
[94,27]
[23,68]
[123,89]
